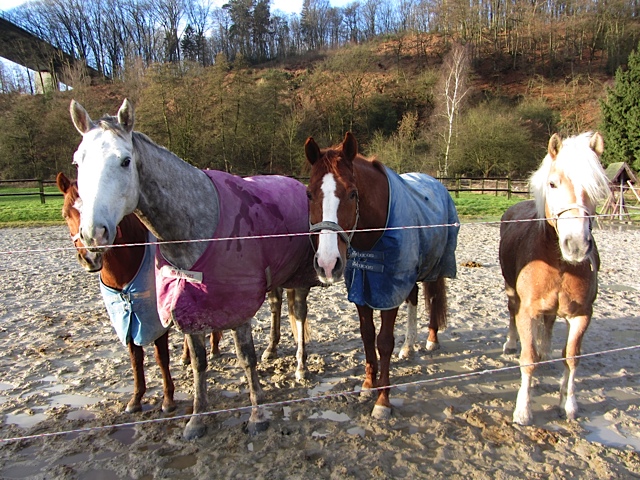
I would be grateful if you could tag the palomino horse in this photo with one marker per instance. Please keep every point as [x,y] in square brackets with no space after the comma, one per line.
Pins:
[130,269]
[550,261]
[212,271]
[383,262]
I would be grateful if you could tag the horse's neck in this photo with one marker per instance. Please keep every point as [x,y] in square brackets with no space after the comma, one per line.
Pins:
[120,264]
[373,198]
[177,202]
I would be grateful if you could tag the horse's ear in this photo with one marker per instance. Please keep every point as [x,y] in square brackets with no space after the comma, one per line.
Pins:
[80,117]
[125,115]
[63,182]
[350,146]
[312,151]
[555,144]
[597,143]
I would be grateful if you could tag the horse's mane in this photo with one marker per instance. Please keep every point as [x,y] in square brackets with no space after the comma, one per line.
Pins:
[578,162]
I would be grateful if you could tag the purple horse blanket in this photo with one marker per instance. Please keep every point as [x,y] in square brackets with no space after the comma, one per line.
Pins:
[228,283]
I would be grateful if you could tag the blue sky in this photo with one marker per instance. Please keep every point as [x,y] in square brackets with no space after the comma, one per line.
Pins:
[288,6]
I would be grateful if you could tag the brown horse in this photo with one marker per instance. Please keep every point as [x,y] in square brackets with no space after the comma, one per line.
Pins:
[118,267]
[550,261]
[381,268]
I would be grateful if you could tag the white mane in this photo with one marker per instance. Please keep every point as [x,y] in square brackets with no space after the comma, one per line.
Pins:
[580,164]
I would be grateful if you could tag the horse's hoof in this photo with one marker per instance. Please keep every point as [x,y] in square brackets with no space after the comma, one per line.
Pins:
[168,407]
[185,361]
[367,392]
[269,354]
[509,350]
[522,418]
[432,346]
[406,352]
[301,375]
[194,430]
[381,412]
[253,428]
[133,407]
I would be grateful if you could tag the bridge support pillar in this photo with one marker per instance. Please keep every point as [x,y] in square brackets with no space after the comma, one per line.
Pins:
[45,82]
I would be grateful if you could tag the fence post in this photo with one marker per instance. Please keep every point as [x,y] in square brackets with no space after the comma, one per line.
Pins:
[41,188]
[509,188]
[458,187]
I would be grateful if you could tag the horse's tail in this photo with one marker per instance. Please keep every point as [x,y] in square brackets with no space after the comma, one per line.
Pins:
[436,298]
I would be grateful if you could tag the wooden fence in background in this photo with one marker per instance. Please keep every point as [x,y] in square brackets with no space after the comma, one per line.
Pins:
[455,185]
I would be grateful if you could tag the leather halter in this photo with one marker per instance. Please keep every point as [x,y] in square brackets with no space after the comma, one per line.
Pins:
[334,227]
[555,215]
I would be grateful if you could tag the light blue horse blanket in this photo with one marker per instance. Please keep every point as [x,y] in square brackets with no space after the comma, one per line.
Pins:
[383,277]
[133,311]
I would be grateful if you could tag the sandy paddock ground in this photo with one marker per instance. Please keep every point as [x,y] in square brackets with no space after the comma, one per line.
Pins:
[63,370]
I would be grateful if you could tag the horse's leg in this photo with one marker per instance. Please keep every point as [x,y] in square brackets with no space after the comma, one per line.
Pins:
[275,305]
[136,353]
[248,360]
[386,342]
[195,427]
[162,359]
[214,340]
[525,323]
[577,327]
[297,300]
[513,303]
[436,297]
[368,334]
[544,337]
[412,324]
[185,359]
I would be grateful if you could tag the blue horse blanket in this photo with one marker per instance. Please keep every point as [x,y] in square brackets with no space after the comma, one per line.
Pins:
[133,311]
[383,277]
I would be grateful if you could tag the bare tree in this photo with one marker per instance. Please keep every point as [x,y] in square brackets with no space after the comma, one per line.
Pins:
[451,91]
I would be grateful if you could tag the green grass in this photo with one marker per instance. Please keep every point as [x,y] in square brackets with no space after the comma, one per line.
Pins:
[25,210]
[28,211]
[486,207]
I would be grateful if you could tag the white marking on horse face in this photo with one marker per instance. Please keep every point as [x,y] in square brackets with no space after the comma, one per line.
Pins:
[328,253]
[573,226]
[109,190]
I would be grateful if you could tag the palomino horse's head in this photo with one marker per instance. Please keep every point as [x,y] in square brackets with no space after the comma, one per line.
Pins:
[107,175]
[90,261]
[333,204]
[567,188]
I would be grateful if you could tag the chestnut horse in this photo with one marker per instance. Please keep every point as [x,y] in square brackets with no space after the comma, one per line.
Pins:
[225,241]
[350,195]
[550,261]
[118,267]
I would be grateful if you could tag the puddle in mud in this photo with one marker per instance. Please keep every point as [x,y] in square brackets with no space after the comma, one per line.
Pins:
[326,385]
[357,431]
[331,415]
[73,400]
[182,461]
[601,433]
[80,415]
[20,471]
[125,436]
[24,420]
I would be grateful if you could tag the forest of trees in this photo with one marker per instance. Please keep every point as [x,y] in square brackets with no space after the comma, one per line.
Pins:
[240,87]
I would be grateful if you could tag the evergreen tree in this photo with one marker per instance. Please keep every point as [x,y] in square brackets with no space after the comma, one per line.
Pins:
[621,115]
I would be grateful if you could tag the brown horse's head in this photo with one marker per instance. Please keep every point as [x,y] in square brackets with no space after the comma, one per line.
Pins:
[333,204]
[90,261]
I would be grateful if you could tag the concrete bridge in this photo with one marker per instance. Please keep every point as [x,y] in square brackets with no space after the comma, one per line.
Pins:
[54,65]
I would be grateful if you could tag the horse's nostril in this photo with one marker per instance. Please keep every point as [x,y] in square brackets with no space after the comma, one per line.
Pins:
[338,266]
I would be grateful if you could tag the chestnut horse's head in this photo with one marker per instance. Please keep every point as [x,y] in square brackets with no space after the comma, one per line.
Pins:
[333,204]
[567,188]
[90,261]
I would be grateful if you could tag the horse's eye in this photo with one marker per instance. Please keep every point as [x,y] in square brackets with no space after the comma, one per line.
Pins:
[309,196]
[125,162]
[353,195]
[552,184]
